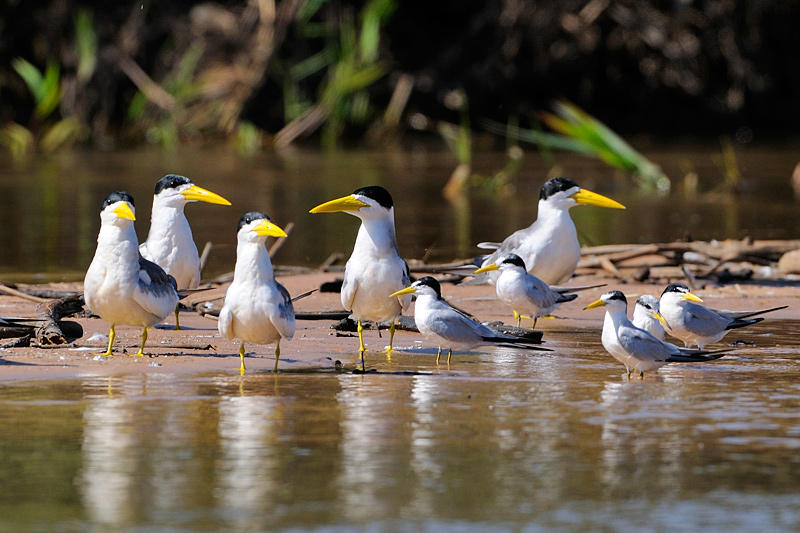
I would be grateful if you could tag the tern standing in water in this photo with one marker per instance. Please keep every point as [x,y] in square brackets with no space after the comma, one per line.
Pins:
[257,308]
[121,286]
[170,243]
[646,315]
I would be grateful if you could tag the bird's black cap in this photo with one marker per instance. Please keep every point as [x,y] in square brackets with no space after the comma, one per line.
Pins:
[432,283]
[514,259]
[377,193]
[252,216]
[117,196]
[555,185]
[676,287]
[642,300]
[617,295]
[170,181]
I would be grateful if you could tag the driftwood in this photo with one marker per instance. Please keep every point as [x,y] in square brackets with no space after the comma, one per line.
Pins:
[53,330]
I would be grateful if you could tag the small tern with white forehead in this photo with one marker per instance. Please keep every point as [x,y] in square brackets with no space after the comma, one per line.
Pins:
[636,348]
[257,308]
[524,292]
[121,286]
[169,243]
[697,325]
[441,323]
[549,247]
[375,267]
[646,316]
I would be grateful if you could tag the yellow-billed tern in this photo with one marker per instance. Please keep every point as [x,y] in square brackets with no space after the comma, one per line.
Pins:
[121,286]
[257,308]
[697,325]
[549,247]
[441,323]
[636,348]
[524,292]
[375,267]
[647,317]
[169,242]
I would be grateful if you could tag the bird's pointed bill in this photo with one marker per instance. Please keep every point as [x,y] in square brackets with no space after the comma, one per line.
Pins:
[123,210]
[401,292]
[487,268]
[587,197]
[199,194]
[691,297]
[345,203]
[265,228]
[596,303]
[660,318]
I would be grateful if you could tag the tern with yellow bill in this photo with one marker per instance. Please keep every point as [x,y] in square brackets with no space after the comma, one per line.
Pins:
[647,317]
[170,243]
[636,348]
[549,247]
[448,327]
[121,286]
[697,325]
[375,267]
[257,308]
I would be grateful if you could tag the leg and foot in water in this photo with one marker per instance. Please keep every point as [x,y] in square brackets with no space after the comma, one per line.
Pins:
[241,358]
[277,356]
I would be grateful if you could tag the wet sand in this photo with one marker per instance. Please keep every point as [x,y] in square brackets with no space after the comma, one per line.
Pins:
[199,348]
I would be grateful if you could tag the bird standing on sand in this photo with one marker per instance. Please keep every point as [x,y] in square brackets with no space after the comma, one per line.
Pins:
[441,323]
[121,286]
[375,267]
[697,325]
[636,348]
[549,247]
[524,292]
[169,243]
[257,308]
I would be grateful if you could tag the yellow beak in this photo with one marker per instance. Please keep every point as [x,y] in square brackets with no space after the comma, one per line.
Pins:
[123,210]
[265,228]
[401,292]
[199,194]
[660,319]
[586,197]
[487,268]
[345,203]
[596,303]
[692,297]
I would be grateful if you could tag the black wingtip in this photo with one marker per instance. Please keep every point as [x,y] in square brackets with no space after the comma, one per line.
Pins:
[739,323]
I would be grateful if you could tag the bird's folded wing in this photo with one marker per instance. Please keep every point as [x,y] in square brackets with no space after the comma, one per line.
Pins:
[156,291]
[282,314]
[488,245]
[639,343]
[225,323]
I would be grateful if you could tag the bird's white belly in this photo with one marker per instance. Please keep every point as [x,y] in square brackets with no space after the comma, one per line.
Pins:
[113,301]
[554,265]
[518,301]
[250,311]
[179,261]
[375,284]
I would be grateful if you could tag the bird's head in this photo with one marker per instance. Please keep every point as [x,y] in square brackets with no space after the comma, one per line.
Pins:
[175,190]
[118,209]
[679,291]
[564,193]
[367,202]
[508,262]
[426,286]
[614,300]
[255,226]
[650,305]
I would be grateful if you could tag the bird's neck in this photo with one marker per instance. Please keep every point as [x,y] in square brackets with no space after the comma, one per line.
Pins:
[252,262]
[377,235]
[118,243]
[551,214]
[167,221]
[617,317]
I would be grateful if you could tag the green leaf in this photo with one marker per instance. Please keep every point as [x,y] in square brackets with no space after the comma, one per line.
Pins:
[85,44]
[32,77]
[51,86]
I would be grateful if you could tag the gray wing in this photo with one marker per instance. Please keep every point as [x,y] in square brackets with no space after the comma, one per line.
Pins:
[540,292]
[282,317]
[156,291]
[509,244]
[704,321]
[640,344]
[405,300]
[456,327]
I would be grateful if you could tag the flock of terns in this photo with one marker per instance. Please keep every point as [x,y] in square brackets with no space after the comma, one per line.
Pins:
[140,285]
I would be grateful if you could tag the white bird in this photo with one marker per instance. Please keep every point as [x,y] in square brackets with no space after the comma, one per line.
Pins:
[697,325]
[375,267]
[636,348]
[441,323]
[549,247]
[121,286]
[169,243]
[524,292]
[257,308]
[647,317]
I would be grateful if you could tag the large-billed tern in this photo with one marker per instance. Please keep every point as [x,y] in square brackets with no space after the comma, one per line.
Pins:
[169,243]
[441,323]
[524,292]
[636,348]
[697,325]
[549,247]
[375,267]
[121,286]
[257,308]
[646,315]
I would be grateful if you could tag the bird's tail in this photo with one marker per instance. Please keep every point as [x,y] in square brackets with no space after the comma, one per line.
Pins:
[518,345]
[565,289]
[748,314]
[697,356]
[739,323]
